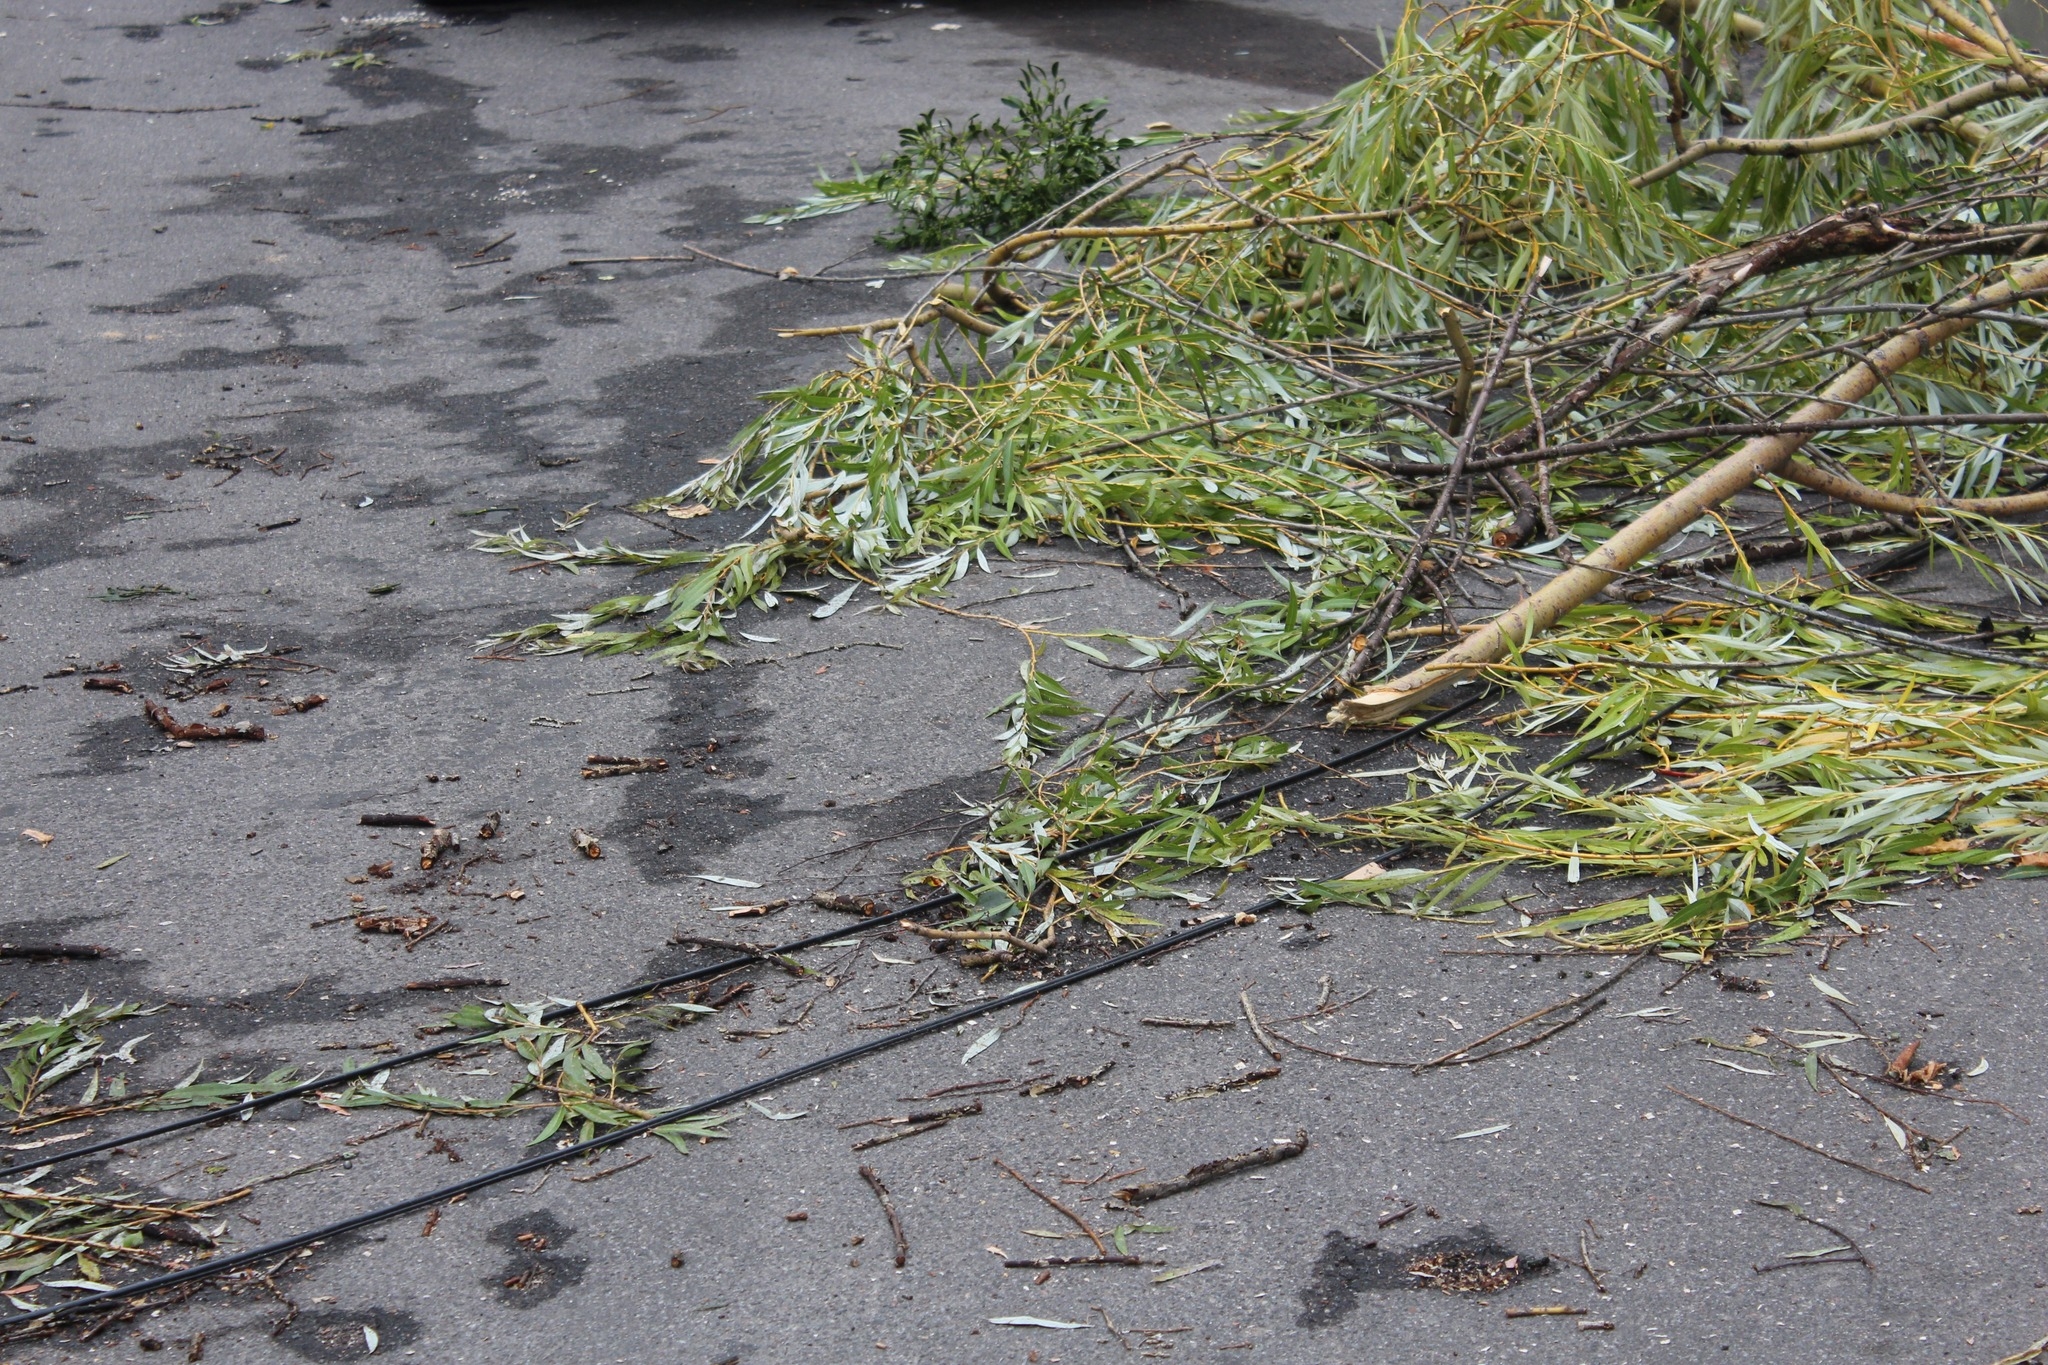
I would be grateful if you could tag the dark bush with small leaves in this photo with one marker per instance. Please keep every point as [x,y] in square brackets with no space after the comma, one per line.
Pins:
[951,184]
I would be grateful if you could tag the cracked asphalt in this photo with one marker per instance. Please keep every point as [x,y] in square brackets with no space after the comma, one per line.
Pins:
[278,336]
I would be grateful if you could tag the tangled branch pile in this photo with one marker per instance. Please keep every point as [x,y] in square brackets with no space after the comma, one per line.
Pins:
[1378,368]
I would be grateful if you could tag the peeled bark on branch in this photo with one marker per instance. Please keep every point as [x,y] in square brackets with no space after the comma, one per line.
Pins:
[1758,457]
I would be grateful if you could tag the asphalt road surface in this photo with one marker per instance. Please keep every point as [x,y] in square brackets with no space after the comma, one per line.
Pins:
[279,336]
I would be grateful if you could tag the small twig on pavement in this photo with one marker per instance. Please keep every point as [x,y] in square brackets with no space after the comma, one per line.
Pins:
[1076,1219]
[1857,1255]
[1568,1002]
[1796,1142]
[1215,1170]
[1251,1016]
[869,1174]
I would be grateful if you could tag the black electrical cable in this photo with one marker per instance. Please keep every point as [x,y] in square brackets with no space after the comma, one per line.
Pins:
[398,1209]
[1097,845]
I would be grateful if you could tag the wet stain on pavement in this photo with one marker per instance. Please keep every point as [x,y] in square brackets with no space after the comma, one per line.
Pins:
[205,358]
[436,178]
[682,53]
[1471,1261]
[112,747]
[337,1334]
[1198,37]
[535,1269]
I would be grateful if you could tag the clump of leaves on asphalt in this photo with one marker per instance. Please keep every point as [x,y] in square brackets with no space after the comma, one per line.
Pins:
[67,1239]
[950,183]
[581,1076]
[39,1055]
[1376,368]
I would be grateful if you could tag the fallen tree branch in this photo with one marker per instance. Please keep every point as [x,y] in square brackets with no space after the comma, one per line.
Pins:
[1927,116]
[1583,997]
[1857,1255]
[978,936]
[1366,649]
[920,317]
[1776,548]
[1251,1017]
[1762,455]
[1706,431]
[1003,251]
[909,1130]
[956,1111]
[1860,231]
[192,731]
[1237,1082]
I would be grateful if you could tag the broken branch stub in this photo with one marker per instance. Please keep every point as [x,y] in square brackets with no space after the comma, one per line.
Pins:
[1758,457]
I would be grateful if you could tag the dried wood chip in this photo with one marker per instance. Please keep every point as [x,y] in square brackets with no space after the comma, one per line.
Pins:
[1197,1092]
[602,765]
[412,928]
[442,840]
[1074,1082]
[755,911]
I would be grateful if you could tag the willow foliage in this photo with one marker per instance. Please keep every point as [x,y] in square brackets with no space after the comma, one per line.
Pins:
[1267,364]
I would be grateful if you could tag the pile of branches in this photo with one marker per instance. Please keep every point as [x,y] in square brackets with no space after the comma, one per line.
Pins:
[1588,308]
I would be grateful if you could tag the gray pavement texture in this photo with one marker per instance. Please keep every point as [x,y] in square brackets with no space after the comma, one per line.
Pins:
[250,357]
